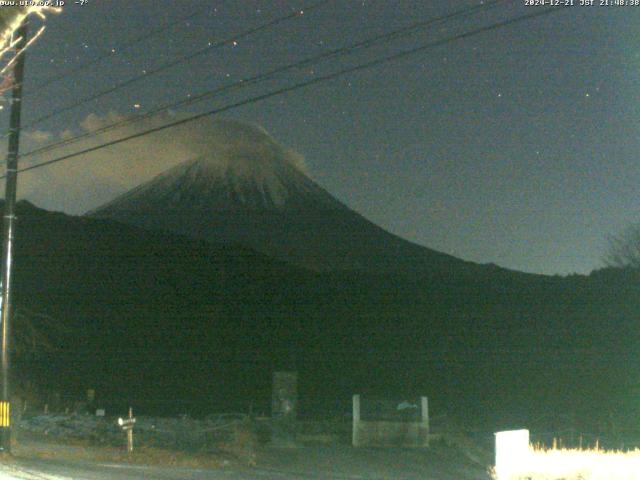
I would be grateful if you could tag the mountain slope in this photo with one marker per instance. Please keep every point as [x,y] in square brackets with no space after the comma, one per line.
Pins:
[165,323]
[247,190]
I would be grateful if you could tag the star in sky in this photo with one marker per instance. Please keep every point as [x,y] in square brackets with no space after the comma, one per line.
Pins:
[437,111]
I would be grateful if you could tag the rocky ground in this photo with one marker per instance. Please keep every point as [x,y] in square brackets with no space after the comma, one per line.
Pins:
[182,433]
[235,443]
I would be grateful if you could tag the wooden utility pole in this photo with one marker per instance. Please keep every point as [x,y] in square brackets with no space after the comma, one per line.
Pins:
[11,184]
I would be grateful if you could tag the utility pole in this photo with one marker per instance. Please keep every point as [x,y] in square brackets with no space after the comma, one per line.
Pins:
[11,185]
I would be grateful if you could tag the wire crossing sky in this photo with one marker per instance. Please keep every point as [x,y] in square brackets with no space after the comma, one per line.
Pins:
[283,90]
[516,146]
[307,62]
[173,63]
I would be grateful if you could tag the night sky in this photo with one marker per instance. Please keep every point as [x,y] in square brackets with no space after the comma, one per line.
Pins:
[518,146]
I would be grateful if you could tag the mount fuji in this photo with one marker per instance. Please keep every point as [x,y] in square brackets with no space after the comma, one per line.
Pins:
[247,189]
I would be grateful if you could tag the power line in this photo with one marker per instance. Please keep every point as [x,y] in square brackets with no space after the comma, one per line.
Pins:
[331,76]
[47,82]
[313,81]
[175,62]
[243,83]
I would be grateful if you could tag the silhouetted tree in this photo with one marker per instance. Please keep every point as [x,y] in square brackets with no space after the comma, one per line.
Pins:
[624,249]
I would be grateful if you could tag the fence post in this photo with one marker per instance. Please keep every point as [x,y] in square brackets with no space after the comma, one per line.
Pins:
[424,403]
[356,421]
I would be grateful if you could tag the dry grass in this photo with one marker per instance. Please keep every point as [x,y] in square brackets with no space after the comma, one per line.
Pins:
[45,448]
[243,444]
[575,464]
[318,439]
[235,445]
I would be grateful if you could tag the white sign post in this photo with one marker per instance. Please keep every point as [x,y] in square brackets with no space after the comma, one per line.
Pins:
[127,425]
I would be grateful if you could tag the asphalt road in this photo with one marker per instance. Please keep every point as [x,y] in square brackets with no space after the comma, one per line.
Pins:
[36,469]
[330,463]
[67,470]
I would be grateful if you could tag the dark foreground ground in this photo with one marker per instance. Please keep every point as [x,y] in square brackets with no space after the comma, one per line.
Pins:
[229,446]
[37,460]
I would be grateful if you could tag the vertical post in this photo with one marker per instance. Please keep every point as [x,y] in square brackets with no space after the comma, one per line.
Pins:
[130,433]
[424,404]
[11,184]
[284,396]
[284,407]
[355,439]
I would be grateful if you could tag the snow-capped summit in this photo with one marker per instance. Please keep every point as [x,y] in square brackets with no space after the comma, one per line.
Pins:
[245,188]
[244,169]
